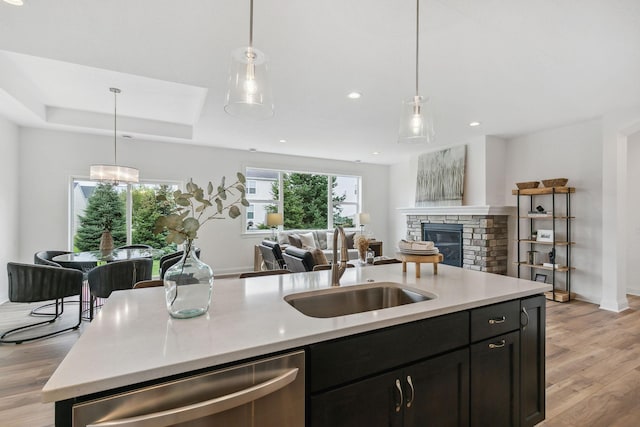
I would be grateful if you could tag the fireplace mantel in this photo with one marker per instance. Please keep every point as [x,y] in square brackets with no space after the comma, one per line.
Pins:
[459,210]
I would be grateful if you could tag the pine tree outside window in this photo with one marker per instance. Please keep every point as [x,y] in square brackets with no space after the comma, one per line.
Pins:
[129,210]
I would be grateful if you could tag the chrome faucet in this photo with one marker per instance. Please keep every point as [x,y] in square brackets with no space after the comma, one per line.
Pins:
[338,270]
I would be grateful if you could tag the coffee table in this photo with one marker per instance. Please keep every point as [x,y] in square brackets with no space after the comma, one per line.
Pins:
[419,259]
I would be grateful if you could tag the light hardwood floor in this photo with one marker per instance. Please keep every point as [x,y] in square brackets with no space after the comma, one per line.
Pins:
[593,367]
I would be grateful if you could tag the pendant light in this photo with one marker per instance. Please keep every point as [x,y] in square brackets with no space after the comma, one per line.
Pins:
[114,174]
[249,92]
[416,120]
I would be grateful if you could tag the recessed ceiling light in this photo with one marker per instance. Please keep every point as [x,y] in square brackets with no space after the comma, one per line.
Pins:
[283,140]
[14,2]
[474,124]
[354,95]
[375,153]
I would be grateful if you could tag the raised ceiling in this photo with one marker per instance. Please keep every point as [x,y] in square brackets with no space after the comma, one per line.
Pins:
[515,66]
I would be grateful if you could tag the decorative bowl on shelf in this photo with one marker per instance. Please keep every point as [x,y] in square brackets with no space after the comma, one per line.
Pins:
[527,185]
[555,182]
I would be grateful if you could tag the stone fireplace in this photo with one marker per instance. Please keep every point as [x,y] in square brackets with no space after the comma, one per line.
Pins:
[484,232]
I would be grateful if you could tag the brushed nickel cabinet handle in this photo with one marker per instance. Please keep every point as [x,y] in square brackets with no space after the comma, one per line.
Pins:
[413,392]
[497,320]
[498,344]
[526,323]
[206,408]
[399,387]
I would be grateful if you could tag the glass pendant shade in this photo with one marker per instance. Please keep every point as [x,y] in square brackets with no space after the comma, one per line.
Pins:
[113,174]
[249,92]
[416,121]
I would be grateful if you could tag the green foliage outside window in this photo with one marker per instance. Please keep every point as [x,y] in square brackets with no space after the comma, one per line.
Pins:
[146,210]
[305,201]
[105,211]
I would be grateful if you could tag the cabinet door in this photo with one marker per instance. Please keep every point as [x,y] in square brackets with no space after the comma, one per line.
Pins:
[437,391]
[495,381]
[532,348]
[374,402]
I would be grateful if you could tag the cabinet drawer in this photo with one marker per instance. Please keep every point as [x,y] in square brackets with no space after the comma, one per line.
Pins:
[494,320]
[346,359]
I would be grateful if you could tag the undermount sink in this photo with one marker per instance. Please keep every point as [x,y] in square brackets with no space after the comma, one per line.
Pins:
[341,301]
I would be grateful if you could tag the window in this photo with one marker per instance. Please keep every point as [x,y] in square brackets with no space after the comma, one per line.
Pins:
[307,200]
[129,210]
[250,211]
[251,187]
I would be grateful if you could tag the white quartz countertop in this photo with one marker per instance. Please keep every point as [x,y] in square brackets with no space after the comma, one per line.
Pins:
[133,338]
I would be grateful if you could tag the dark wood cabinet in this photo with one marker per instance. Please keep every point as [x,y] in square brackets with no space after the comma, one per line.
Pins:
[371,402]
[429,393]
[437,391]
[478,367]
[495,381]
[532,366]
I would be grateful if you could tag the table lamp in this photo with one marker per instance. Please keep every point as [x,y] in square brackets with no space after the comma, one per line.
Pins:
[274,220]
[363,218]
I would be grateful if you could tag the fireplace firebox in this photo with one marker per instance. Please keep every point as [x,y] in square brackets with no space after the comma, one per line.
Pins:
[448,239]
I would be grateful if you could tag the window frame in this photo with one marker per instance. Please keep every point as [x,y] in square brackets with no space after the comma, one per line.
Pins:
[280,201]
[128,205]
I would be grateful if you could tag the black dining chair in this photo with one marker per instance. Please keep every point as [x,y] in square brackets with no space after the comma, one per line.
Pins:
[34,283]
[46,258]
[169,260]
[117,275]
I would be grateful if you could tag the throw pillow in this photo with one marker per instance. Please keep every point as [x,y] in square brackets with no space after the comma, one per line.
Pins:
[318,256]
[350,240]
[308,240]
[294,240]
[330,240]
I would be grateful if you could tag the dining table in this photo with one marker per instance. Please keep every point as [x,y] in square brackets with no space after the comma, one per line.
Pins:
[122,254]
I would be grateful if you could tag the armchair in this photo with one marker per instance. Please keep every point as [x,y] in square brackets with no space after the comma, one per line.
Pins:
[33,283]
[118,275]
[298,260]
[271,255]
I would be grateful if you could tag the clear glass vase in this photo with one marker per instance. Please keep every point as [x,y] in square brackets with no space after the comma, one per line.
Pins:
[188,285]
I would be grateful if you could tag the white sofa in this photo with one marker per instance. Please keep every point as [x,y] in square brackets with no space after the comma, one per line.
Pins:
[322,239]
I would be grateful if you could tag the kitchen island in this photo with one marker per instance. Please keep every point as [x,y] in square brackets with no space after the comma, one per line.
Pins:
[134,341]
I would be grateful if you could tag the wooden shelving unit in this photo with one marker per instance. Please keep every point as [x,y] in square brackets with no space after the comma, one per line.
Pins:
[560,223]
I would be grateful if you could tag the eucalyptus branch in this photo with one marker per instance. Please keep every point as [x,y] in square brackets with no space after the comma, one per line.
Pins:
[183,223]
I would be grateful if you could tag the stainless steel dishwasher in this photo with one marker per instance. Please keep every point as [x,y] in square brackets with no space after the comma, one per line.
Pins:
[267,392]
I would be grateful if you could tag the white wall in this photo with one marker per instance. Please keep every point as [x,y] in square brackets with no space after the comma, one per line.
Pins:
[633,208]
[495,165]
[402,179]
[573,152]
[58,156]
[9,201]
[496,159]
